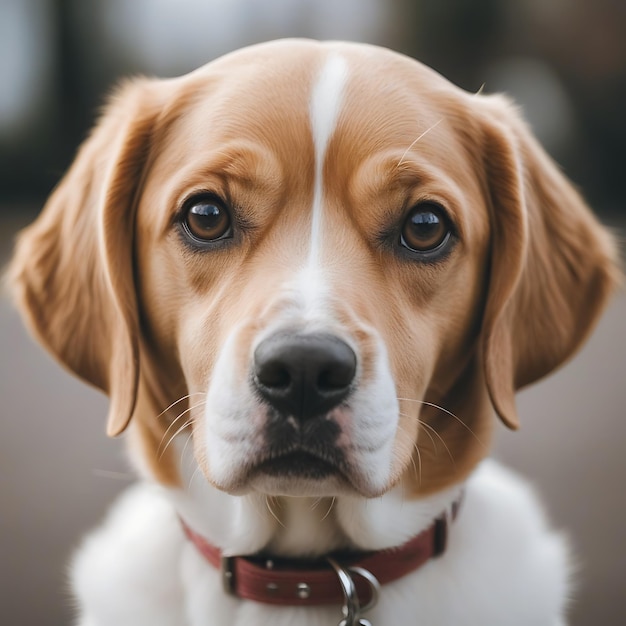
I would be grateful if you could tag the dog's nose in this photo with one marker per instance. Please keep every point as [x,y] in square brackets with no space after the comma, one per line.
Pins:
[304,375]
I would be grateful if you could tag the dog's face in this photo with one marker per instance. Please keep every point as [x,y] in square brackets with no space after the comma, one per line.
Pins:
[327,280]
[339,261]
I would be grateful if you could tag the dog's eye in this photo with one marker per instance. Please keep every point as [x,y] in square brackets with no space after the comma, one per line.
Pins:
[425,229]
[207,219]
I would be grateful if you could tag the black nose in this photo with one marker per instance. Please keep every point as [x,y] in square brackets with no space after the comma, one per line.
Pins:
[304,375]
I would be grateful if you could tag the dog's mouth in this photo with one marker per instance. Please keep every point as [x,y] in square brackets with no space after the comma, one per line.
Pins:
[303,470]
[300,451]
[304,460]
[298,464]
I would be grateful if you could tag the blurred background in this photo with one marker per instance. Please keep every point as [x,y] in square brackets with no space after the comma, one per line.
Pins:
[564,61]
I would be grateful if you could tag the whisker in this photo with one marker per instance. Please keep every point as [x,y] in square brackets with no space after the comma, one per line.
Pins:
[269,508]
[423,423]
[420,137]
[418,472]
[456,417]
[480,90]
[195,393]
[191,408]
[182,454]
[434,431]
[192,477]
[332,504]
[315,503]
[189,422]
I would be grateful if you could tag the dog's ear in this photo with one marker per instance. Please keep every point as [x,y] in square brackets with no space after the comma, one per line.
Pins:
[552,265]
[72,272]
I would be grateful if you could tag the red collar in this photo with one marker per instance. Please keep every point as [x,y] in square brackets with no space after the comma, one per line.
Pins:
[301,582]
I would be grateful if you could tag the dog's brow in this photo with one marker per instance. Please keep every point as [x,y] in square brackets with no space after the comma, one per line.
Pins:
[239,163]
[381,173]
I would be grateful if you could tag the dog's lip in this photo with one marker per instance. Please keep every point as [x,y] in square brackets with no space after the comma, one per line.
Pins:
[297,465]
[295,470]
[301,462]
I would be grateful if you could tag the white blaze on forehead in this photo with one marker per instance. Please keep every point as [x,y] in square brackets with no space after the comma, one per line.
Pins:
[324,111]
[324,108]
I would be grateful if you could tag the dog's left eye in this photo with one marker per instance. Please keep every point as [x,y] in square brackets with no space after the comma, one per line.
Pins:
[426,229]
[207,219]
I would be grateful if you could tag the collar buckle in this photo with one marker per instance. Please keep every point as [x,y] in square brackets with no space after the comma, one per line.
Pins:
[227,567]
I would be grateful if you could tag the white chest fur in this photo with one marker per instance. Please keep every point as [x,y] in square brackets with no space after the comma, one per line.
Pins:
[502,567]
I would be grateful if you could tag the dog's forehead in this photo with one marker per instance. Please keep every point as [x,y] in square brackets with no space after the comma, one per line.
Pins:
[279,94]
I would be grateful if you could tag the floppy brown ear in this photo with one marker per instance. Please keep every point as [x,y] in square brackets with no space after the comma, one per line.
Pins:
[72,272]
[552,266]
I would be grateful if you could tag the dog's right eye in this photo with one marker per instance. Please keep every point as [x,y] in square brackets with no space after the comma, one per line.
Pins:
[206,219]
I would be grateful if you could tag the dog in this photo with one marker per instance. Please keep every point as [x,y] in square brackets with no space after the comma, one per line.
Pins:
[309,276]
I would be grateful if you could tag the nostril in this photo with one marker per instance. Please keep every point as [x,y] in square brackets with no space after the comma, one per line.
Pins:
[338,376]
[273,374]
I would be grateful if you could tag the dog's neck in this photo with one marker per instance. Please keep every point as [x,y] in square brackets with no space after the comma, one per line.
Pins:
[304,526]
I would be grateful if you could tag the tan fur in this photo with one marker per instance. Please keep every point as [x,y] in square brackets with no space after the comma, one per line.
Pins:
[108,287]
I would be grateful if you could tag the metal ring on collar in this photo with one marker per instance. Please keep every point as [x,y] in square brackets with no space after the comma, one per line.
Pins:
[352,608]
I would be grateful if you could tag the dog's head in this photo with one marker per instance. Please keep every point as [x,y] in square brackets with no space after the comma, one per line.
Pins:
[336,262]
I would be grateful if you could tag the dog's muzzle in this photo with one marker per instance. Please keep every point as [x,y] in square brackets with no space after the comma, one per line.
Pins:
[305,380]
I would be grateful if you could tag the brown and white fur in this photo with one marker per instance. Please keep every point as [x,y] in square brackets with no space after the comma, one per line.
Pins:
[317,152]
